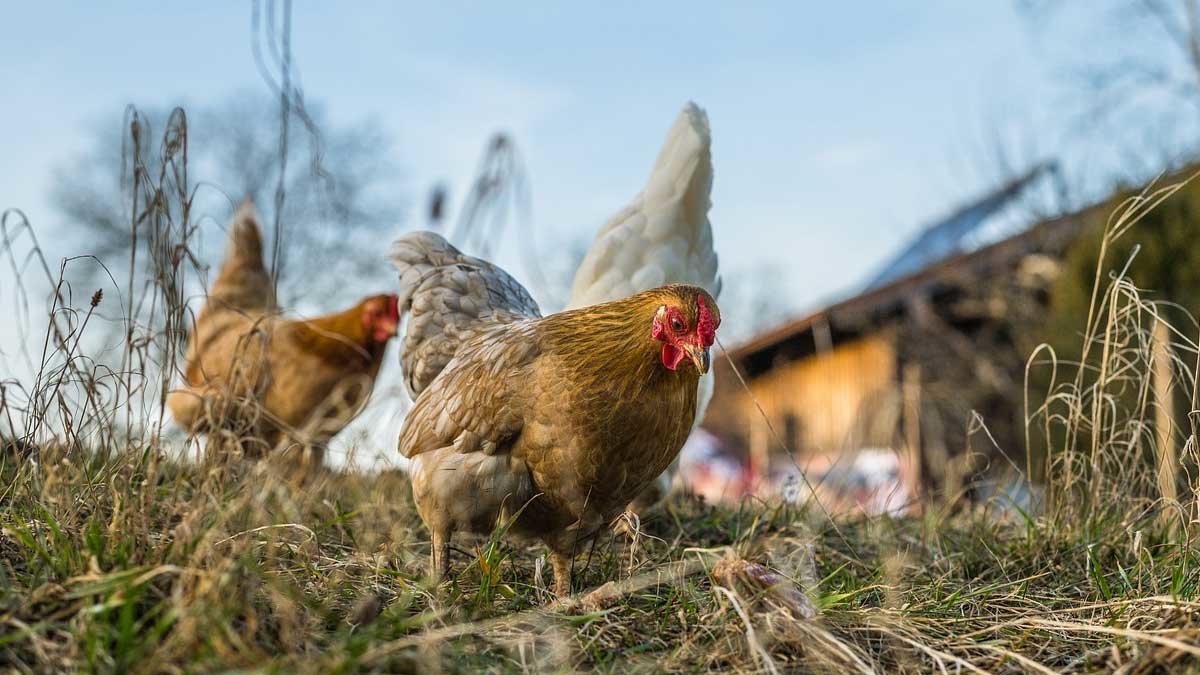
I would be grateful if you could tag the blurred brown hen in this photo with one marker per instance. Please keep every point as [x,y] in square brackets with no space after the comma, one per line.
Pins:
[560,420]
[270,381]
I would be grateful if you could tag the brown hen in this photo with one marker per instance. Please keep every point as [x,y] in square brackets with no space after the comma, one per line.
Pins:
[560,421]
[272,382]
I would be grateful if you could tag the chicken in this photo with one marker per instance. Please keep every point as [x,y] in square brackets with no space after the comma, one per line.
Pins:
[270,381]
[557,422]
[663,236]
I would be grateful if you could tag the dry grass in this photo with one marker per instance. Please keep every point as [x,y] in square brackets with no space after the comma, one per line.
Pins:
[116,558]
[141,564]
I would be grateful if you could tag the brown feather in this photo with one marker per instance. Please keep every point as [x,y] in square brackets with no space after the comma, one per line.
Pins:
[341,338]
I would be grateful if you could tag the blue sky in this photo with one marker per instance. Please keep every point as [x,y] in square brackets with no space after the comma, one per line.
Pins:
[838,130]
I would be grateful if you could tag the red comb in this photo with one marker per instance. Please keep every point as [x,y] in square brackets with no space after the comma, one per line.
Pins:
[706,327]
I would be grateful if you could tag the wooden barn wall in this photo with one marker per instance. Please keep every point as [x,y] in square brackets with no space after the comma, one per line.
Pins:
[844,398]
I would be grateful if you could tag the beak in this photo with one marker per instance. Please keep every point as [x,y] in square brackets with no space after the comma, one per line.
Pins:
[699,356]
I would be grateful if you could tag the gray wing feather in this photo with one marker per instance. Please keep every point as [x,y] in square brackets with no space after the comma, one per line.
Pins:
[449,297]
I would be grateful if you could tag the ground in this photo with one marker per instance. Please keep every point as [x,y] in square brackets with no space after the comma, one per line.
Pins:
[133,563]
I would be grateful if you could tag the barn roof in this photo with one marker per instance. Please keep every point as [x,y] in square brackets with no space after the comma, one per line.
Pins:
[889,298]
[994,216]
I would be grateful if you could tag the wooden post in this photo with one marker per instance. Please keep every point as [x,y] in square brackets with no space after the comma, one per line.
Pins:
[760,452]
[911,389]
[1165,454]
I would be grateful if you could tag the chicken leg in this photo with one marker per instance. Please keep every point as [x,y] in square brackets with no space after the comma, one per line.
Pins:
[439,549]
[561,564]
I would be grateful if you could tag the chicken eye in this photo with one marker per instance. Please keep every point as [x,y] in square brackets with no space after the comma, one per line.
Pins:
[676,324]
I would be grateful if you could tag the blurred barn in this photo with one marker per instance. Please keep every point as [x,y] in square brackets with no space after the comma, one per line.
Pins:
[914,385]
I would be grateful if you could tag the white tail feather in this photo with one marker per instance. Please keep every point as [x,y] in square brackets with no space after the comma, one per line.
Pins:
[663,235]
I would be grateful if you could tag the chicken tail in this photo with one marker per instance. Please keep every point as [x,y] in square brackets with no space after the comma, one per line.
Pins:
[683,171]
[245,235]
[243,282]
[447,296]
[664,235]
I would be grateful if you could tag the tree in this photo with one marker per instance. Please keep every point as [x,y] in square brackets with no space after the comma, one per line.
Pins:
[1134,66]
[1160,252]
[341,202]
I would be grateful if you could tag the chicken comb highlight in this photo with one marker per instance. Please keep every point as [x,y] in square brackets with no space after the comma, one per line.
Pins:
[706,326]
[393,307]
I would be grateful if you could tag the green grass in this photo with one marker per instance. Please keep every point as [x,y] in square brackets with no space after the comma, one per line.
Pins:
[138,564]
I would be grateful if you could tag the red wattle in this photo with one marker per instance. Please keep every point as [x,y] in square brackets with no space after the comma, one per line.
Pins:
[671,356]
